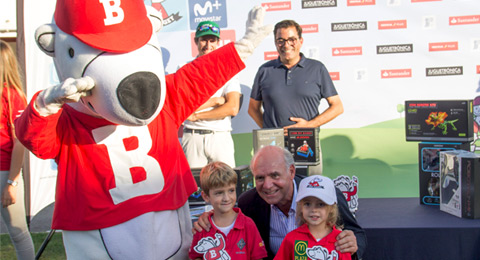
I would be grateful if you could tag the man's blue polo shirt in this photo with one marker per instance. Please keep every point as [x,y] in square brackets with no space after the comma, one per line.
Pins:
[294,92]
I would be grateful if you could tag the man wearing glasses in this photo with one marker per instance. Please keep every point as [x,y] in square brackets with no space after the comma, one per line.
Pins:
[290,88]
[207,132]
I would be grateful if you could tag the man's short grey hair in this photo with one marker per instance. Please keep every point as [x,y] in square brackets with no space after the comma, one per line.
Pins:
[287,157]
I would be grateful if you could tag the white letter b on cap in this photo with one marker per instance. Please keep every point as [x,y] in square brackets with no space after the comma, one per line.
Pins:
[110,10]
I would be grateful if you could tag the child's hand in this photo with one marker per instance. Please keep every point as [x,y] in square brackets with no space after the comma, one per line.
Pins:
[203,223]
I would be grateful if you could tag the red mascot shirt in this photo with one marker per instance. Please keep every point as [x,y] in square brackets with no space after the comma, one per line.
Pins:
[107,173]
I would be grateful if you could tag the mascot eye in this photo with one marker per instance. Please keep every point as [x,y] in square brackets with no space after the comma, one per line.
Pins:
[71,52]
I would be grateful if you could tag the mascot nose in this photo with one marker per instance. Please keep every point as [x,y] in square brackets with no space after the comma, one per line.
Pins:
[139,94]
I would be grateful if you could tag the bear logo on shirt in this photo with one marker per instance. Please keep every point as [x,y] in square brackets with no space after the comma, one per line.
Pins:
[212,248]
[321,253]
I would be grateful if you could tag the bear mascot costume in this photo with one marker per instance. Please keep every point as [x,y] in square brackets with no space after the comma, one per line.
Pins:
[111,125]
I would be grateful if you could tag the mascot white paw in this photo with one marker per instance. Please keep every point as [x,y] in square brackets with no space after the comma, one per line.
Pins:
[111,125]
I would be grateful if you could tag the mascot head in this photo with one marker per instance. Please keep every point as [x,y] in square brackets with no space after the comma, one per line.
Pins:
[113,42]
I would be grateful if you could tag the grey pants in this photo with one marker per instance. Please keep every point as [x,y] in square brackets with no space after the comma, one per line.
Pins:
[14,218]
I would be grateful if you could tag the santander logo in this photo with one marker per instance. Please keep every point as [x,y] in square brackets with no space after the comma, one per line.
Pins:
[394,24]
[278,6]
[478,69]
[443,46]
[270,55]
[396,73]
[461,20]
[335,75]
[309,28]
[360,2]
[347,51]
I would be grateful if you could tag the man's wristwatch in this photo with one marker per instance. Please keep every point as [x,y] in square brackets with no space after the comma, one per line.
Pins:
[13,183]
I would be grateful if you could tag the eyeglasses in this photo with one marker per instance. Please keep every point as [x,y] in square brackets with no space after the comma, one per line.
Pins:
[281,41]
[207,27]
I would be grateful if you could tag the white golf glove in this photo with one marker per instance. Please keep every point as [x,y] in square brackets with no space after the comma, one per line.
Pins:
[51,99]
[254,33]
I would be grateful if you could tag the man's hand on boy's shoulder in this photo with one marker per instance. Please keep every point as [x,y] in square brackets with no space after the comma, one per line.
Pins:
[202,223]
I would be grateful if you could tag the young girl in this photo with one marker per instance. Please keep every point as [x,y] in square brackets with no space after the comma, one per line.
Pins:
[317,214]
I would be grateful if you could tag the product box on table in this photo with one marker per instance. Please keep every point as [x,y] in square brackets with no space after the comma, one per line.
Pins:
[304,144]
[244,179]
[439,120]
[268,136]
[460,183]
[429,168]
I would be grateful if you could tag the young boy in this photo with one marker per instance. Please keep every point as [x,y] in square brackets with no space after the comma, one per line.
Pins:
[233,235]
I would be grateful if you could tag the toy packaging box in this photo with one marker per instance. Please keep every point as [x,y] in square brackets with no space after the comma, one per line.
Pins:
[439,121]
[429,169]
[304,144]
[460,183]
[268,136]
[244,180]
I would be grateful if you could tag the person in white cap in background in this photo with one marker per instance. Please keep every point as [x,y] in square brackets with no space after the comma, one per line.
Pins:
[317,215]
[207,132]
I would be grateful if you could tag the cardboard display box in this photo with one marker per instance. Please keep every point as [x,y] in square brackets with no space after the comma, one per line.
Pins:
[460,183]
[439,120]
[268,136]
[304,144]
[429,169]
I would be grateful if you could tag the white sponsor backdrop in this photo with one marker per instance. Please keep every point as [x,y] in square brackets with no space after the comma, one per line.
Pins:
[367,97]
[450,27]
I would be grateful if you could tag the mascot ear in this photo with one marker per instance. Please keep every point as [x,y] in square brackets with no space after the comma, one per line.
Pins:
[155,17]
[45,38]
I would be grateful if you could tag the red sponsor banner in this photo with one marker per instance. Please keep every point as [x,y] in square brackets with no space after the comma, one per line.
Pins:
[226,36]
[394,24]
[360,2]
[278,6]
[334,75]
[347,51]
[478,69]
[419,1]
[461,20]
[397,73]
[270,55]
[309,28]
[443,46]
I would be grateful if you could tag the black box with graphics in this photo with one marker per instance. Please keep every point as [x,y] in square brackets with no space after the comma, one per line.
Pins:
[268,136]
[439,120]
[304,144]
[429,169]
[460,183]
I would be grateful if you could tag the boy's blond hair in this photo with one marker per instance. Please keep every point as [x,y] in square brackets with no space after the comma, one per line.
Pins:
[331,219]
[216,175]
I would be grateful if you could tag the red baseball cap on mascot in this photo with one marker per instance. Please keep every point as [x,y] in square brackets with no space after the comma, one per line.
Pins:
[109,25]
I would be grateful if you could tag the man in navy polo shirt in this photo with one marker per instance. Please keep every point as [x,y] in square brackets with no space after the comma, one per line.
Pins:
[290,88]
